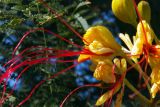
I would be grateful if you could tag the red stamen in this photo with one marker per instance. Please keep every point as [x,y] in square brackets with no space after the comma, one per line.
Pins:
[45,30]
[3,99]
[140,19]
[62,20]
[41,82]
[75,90]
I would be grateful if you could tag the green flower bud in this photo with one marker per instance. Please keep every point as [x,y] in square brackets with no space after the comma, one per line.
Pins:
[145,10]
[124,10]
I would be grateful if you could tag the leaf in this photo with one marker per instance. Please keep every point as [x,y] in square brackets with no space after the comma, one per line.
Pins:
[82,21]
[83,4]
[15,22]
[12,99]
[11,1]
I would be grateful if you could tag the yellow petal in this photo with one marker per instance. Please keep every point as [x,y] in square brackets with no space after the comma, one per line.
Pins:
[108,95]
[102,35]
[104,72]
[117,62]
[154,90]
[83,57]
[155,75]
[123,64]
[137,48]
[120,64]
[98,48]
[104,98]
[154,59]
[126,39]
[147,31]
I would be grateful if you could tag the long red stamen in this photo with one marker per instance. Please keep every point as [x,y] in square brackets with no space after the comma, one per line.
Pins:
[45,30]
[25,69]
[75,90]
[3,99]
[140,19]
[41,82]
[12,68]
[61,20]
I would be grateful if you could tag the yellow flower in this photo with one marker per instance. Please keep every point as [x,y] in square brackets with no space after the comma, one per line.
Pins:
[99,40]
[143,37]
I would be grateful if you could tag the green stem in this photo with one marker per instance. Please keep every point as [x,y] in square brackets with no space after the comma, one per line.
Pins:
[139,69]
[131,87]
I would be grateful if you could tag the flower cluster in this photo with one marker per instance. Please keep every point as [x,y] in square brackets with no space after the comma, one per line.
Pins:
[110,59]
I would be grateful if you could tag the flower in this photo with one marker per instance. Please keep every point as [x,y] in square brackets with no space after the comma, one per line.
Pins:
[142,42]
[99,40]
[144,37]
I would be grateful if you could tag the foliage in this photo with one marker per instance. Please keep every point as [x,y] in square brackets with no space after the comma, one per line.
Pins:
[18,17]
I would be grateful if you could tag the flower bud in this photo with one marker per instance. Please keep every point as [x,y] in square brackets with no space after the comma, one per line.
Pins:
[121,64]
[145,10]
[124,11]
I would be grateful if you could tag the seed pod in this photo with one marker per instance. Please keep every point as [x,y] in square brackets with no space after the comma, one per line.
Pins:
[124,10]
[145,10]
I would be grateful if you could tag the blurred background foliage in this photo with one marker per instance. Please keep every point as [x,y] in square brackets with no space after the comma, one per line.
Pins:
[19,16]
